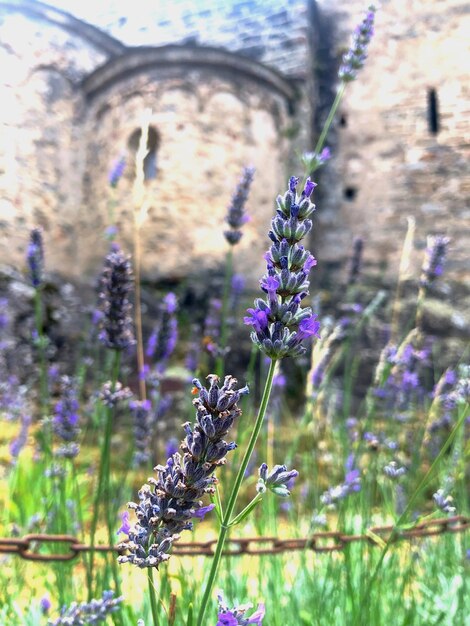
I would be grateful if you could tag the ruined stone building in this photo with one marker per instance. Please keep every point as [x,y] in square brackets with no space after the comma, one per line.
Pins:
[232,83]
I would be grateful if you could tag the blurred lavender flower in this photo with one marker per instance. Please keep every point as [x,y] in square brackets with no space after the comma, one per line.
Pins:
[355,57]
[236,215]
[393,471]
[162,341]
[65,420]
[444,501]
[237,616]
[116,282]
[143,430]
[35,257]
[117,170]
[351,484]
[110,395]
[211,330]
[167,503]
[434,258]
[280,325]
[193,351]
[45,604]
[88,613]
[171,447]
[355,263]
[276,480]
[312,161]
[19,443]
[125,525]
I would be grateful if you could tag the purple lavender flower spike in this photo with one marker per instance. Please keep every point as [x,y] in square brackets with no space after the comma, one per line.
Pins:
[143,422]
[117,170]
[94,612]
[162,342]
[236,215]
[237,615]
[355,57]
[434,259]
[280,324]
[35,258]
[356,261]
[116,324]
[19,443]
[168,503]
[65,421]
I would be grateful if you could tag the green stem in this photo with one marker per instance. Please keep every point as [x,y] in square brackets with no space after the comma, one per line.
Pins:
[103,475]
[329,119]
[42,353]
[153,598]
[234,495]
[219,364]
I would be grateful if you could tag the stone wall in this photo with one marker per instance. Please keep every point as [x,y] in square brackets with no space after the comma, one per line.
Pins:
[388,163]
[41,162]
[210,124]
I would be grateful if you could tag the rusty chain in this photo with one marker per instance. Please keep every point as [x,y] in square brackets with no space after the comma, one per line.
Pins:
[27,547]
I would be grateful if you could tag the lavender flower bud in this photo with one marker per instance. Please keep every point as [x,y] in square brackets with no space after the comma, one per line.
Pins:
[89,613]
[162,341]
[276,480]
[312,161]
[143,431]
[111,394]
[355,58]
[444,502]
[236,216]
[433,264]
[116,325]
[393,471]
[169,502]
[279,323]
[35,257]
[65,421]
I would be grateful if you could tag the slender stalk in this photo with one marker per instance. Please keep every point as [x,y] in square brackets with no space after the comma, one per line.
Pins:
[103,474]
[153,598]
[329,120]
[219,364]
[138,310]
[42,353]
[224,527]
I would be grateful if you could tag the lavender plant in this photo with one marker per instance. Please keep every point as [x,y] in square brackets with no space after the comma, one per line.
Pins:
[88,613]
[236,218]
[168,503]
[353,60]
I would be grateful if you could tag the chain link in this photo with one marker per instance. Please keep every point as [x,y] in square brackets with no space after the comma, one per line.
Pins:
[28,547]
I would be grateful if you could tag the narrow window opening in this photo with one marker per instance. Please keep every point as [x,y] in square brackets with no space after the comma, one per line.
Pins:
[343,120]
[350,193]
[433,112]
[150,159]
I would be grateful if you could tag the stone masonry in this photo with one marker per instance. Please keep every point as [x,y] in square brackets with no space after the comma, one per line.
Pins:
[231,83]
